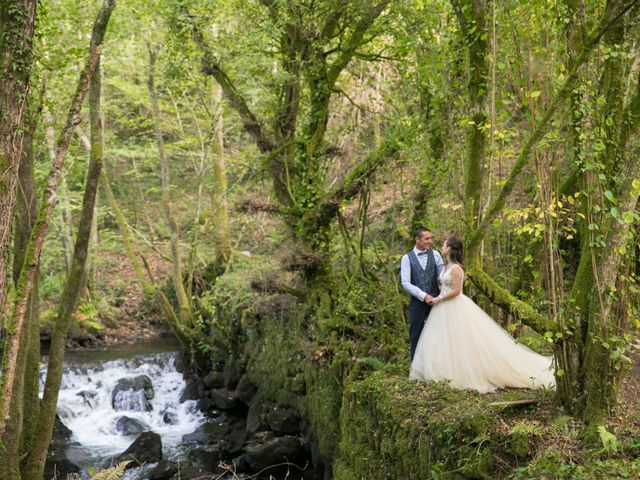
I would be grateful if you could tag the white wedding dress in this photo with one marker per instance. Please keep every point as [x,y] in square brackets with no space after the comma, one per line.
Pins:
[464,345]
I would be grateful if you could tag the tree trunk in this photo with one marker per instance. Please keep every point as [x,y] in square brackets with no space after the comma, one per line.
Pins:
[184,302]
[478,73]
[222,240]
[34,465]
[24,401]
[34,249]
[17,20]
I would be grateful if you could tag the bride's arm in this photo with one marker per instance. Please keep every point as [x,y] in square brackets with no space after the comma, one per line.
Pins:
[456,273]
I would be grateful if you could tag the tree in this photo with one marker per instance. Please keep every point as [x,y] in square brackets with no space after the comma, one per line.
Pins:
[316,43]
[17,21]
[583,342]
[38,447]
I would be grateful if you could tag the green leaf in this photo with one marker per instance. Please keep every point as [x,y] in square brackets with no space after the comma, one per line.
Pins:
[610,196]
[628,217]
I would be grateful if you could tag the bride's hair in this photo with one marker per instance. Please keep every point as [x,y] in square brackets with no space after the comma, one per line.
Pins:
[455,250]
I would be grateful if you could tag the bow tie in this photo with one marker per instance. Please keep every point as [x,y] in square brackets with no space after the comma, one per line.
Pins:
[423,253]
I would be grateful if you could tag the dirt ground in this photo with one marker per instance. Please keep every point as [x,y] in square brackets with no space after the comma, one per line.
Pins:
[134,317]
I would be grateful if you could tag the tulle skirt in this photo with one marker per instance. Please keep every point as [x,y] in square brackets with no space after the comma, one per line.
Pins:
[460,342]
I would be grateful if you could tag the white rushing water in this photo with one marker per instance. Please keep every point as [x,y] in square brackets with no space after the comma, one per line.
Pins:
[86,406]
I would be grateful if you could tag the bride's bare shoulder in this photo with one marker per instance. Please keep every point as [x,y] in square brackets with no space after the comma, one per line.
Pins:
[456,267]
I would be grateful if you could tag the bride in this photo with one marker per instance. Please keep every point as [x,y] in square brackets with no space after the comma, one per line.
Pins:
[463,344]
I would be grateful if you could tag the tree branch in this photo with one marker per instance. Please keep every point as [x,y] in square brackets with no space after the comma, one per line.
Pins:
[510,304]
[210,66]
[355,41]
[353,183]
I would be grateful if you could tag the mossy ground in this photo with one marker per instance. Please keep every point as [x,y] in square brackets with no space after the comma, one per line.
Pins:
[393,428]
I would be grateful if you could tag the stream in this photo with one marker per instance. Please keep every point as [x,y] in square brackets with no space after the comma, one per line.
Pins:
[105,416]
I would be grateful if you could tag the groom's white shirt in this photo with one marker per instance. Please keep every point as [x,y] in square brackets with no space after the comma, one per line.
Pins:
[405,271]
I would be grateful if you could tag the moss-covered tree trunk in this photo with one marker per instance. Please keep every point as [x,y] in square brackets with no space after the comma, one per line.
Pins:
[24,401]
[294,147]
[472,20]
[17,22]
[568,347]
[36,455]
[597,290]
[184,302]
[222,239]
[34,248]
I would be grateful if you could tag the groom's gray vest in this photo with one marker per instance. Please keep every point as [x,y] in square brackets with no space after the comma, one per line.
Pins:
[425,279]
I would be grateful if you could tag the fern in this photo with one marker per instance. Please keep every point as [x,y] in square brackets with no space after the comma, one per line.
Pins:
[373,363]
[527,427]
[608,439]
[560,425]
[113,473]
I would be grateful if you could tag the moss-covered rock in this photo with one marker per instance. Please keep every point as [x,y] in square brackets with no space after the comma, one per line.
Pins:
[395,428]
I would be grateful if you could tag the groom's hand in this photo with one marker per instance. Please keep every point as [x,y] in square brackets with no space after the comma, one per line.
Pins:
[428,299]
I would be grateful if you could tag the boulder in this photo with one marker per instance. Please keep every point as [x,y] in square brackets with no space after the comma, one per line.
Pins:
[213,380]
[61,434]
[207,457]
[190,392]
[245,390]
[256,416]
[57,462]
[59,467]
[89,397]
[130,426]
[170,418]
[224,399]
[233,444]
[133,394]
[192,472]
[261,454]
[147,448]
[205,404]
[163,471]
[207,434]
[283,420]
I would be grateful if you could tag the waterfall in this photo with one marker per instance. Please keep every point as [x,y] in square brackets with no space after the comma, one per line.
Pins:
[107,404]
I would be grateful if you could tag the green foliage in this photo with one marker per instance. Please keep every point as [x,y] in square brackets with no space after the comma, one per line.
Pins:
[372,363]
[609,440]
[551,465]
[560,425]
[524,437]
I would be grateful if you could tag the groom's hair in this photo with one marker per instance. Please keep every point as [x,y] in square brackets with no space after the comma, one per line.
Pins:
[419,231]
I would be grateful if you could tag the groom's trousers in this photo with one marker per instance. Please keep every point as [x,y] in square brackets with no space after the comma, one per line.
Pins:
[418,312]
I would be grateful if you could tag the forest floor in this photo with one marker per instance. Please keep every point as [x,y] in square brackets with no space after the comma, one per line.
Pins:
[131,316]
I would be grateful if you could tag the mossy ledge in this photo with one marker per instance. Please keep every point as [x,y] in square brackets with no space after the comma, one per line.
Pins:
[376,424]
[365,420]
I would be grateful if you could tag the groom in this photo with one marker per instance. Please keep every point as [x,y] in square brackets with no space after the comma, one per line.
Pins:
[419,270]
